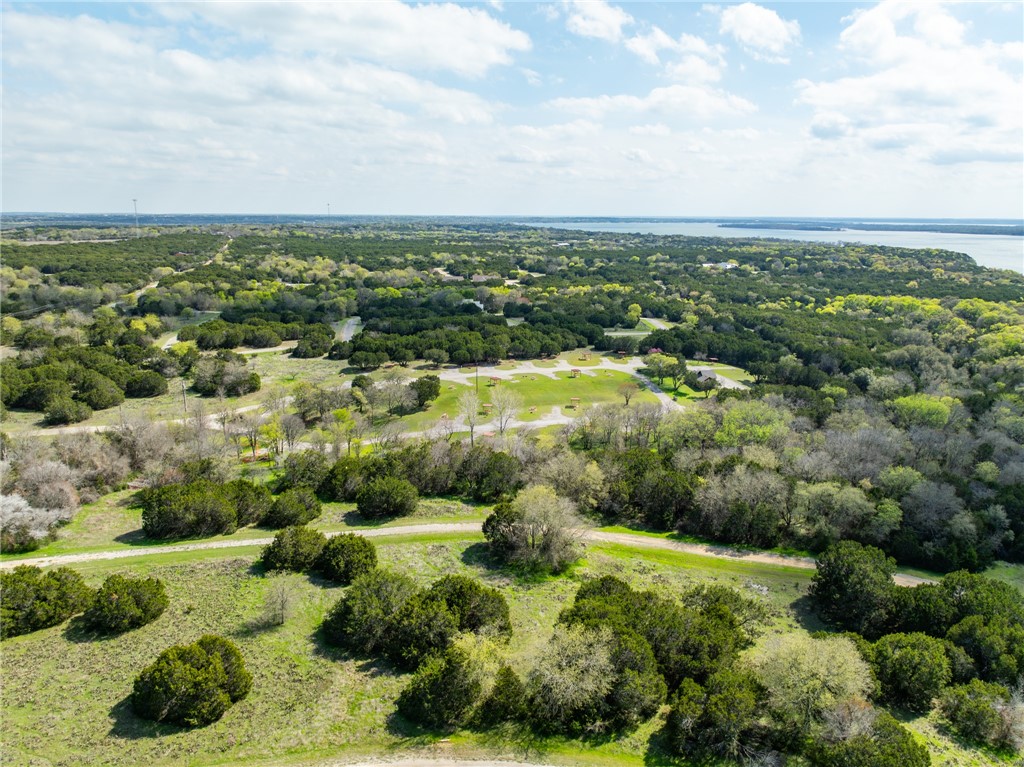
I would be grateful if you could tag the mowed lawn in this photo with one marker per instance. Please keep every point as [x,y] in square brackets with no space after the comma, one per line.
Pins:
[536,390]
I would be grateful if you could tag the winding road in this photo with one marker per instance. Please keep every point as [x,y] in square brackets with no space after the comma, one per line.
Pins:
[636,540]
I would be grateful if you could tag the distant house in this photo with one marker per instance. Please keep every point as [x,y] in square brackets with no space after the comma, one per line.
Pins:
[707,375]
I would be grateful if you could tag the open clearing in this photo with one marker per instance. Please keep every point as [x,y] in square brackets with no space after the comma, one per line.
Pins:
[66,692]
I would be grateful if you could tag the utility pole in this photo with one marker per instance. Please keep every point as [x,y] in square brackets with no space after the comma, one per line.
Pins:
[328,214]
[135,207]
[184,402]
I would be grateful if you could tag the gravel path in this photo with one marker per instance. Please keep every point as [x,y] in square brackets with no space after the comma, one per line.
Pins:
[428,762]
[627,539]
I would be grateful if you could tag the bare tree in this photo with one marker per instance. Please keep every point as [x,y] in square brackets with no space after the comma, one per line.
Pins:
[469,409]
[386,437]
[275,400]
[293,427]
[627,390]
[251,423]
[279,602]
[506,403]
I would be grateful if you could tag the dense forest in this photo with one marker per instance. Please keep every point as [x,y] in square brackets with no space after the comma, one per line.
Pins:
[881,426]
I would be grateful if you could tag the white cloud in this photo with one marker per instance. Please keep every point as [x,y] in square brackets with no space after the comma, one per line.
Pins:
[648,46]
[679,100]
[760,31]
[465,40]
[596,18]
[923,89]
[654,129]
[638,155]
[693,69]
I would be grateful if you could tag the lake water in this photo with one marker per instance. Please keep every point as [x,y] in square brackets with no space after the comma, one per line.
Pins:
[991,250]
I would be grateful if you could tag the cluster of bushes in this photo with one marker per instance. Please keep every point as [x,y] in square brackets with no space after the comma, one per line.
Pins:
[457,337]
[224,373]
[192,685]
[203,507]
[341,558]
[385,613]
[255,332]
[960,641]
[67,383]
[536,530]
[430,468]
[31,599]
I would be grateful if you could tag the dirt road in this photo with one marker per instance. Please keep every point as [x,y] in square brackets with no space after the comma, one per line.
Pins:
[626,539]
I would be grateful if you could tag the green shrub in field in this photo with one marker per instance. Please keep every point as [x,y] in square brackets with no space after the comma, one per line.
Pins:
[31,599]
[506,701]
[146,383]
[346,557]
[187,510]
[442,691]
[361,619]
[294,548]
[252,502]
[192,685]
[911,669]
[387,497]
[888,744]
[985,713]
[124,603]
[474,605]
[296,506]
[61,410]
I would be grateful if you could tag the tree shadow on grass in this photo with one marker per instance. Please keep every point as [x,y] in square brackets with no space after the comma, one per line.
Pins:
[806,615]
[79,632]
[479,555]
[517,737]
[355,519]
[127,725]
[136,538]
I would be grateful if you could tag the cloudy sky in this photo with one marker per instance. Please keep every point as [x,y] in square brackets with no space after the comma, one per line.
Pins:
[574,107]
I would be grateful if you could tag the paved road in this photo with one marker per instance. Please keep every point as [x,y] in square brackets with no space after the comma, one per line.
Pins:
[628,539]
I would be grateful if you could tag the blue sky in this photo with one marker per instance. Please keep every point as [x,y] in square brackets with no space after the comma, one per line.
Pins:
[560,108]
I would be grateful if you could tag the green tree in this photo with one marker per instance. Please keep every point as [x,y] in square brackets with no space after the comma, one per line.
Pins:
[387,497]
[537,530]
[912,669]
[294,548]
[974,709]
[362,619]
[853,588]
[887,744]
[804,677]
[252,502]
[192,685]
[345,557]
[568,683]
[506,702]
[476,607]
[426,388]
[123,603]
[297,506]
[31,599]
[442,691]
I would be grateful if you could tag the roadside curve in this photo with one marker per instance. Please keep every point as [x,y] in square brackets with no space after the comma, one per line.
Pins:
[597,536]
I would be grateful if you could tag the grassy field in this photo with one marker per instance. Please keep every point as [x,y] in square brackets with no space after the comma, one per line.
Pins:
[113,524]
[537,391]
[276,369]
[66,692]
